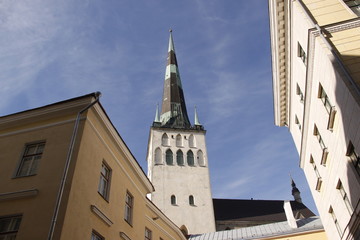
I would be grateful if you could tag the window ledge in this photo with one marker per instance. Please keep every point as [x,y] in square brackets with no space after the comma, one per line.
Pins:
[101,215]
[18,194]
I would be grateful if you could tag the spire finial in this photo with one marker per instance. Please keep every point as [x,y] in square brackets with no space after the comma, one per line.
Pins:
[295,191]
[197,123]
[157,118]
[170,30]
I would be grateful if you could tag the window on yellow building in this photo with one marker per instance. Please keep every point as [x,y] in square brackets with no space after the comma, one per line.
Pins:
[104,184]
[148,234]
[30,159]
[9,227]
[129,203]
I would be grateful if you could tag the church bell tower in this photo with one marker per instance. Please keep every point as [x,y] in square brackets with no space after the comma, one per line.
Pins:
[177,159]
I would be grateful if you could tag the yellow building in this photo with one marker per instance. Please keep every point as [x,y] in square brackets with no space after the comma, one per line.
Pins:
[65,173]
[315,48]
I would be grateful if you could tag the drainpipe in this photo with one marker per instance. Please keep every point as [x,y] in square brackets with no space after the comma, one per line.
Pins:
[67,164]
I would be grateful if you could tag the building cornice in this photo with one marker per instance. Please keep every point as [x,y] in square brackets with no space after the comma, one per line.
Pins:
[278,25]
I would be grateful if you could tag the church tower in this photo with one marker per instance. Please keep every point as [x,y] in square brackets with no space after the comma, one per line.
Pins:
[177,159]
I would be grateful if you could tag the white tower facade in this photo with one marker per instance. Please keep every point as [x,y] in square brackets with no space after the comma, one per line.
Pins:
[177,160]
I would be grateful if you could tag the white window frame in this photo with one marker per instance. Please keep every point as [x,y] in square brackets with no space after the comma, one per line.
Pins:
[104,182]
[29,162]
[129,207]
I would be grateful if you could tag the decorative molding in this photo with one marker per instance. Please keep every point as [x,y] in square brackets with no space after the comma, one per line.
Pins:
[18,194]
[101,215]
[124,236]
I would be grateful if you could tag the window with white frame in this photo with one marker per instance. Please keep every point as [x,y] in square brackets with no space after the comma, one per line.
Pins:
[354,157]
[297,122]
[30,159]
[96,236]
[104,183]
[148,234]
[344,196]
[319,179]
[329,108]
[299,93]
[129,204]
[9,226]
[301,54]
[337,225]
[354,5]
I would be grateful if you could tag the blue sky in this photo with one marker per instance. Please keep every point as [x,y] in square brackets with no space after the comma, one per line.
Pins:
[55,50]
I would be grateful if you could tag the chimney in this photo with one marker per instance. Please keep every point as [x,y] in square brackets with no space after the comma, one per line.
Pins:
[289,214]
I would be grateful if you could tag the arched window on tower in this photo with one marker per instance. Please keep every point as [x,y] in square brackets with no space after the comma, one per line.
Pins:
[179,141]
[165,140]
[169,157]
[192,141]
[190,158]
[191,200]
[180,158]
[200,158]
[173,200]
[158,157]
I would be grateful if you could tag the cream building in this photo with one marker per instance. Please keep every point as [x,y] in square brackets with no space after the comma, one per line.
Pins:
[177,159]
[316,78]
[67,174]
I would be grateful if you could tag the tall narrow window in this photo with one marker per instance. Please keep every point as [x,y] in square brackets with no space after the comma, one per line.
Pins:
[173,200]
[104,184]
[179,141]
[165,140]
[191,200]
[354,5]
[148,234]
[297,122]
[158,156]
[301,54]
[180,158]
[337,225]
[169,157]
[190,158]
[30,159]
[96,236]
[200,158]
[344,196]
[192,141]
[299,93]
[319,179]
[324,98]
[9,226]
[129,203]
[354,157]
[319,138]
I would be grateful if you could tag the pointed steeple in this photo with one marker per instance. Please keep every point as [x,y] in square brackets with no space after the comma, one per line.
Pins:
[197,123]
[295,191]
[173,109]
[157,118]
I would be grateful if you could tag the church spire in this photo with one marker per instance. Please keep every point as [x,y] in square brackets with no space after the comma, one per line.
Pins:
[173,109]
[295,191]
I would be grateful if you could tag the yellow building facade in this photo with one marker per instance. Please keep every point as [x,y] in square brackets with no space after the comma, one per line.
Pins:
[67,174]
